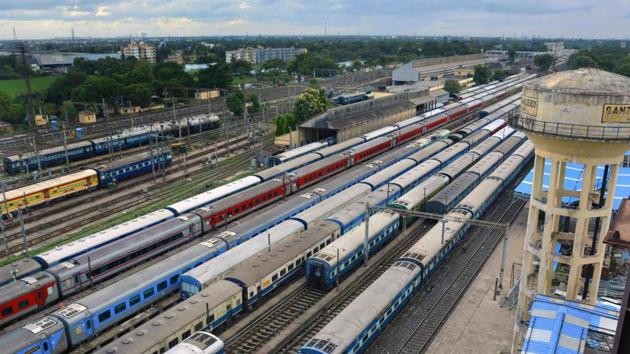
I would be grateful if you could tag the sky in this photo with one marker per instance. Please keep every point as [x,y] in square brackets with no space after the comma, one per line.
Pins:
[34,19]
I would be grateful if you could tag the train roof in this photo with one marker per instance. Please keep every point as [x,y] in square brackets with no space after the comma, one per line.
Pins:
[278,170]
[379,132]
[128,160]
[39,186]
[24,285]
[354,238]
[339,147]
[52,150]
[265,262]
[486,163]
[169,322]
[210,196]
[79,246]
[300,150]
[238,198]
[418,194]
[440,202]
[139,281]
[430,245]
[21,266]
[339,333]
[333,203]
[217,267]
[386,173]
[352,211]
[15,341]
[430,150]
[123,246]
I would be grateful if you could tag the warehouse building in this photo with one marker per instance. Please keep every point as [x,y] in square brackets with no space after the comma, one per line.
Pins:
[436,68]
[349,121]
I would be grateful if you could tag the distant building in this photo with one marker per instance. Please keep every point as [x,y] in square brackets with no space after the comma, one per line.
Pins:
[141,51]
[245,54]
[59,60]
[436,68]
[555,47]
[87,117]
[5,127]
[175,57]
[207,94]
[262,55]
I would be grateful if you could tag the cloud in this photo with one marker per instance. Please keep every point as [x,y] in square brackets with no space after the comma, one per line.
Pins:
[102,11]
[108,18]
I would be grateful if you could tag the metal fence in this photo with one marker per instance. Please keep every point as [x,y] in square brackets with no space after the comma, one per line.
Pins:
[621,133]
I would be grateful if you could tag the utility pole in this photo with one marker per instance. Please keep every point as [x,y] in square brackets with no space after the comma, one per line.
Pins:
[109,130]
[367,234]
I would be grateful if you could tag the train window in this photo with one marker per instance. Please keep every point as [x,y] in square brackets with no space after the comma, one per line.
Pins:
[88,324]
[148,293]
[22,304]
[173,343]
[161,286]
[174,279]
[45,346]
[103,316]
[274,277]
[198,326]
[7,311]
[186,334]
[283,272]
[120,307]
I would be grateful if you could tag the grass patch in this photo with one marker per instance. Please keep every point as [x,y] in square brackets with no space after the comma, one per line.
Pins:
[16,87]
[236,80]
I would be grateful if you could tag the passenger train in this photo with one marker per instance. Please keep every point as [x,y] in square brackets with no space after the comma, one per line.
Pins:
[84,149]
[297,152]
[234,286]
[99,320]
[89,179]
[356,327]
[201,342]
[415,125]
[342,256]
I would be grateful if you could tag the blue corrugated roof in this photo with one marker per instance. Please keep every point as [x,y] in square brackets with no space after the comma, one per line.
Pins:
[561,326]
[573,181]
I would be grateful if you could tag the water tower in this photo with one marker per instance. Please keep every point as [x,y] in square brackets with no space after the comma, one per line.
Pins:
[580,116]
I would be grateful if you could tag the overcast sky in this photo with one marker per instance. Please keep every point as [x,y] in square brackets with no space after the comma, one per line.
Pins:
[109,18]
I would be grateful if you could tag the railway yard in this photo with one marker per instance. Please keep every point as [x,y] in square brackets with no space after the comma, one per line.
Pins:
[175,231]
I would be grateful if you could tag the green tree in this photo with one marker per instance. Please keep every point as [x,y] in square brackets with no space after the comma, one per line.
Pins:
[275,65]
[236,102]
[96,88]
[309,103]
[499,74]
[544,61]
[582,59]
[307,64]
[255,107]
[215,76]
[357,65]
[511,54]
[11,112]
[285,123]
[61,89]
[452,87]
[240,67]
[139,94]
[68,110]
[482,74]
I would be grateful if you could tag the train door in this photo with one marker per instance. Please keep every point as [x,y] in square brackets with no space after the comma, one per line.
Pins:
[316,279]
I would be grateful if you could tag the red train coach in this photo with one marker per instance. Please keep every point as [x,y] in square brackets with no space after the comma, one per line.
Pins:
[26,295]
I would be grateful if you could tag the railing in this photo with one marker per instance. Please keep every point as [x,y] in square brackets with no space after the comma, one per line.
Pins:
[571,130]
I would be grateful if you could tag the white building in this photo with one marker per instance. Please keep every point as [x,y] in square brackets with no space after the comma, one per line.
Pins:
[141,51]
[262,55]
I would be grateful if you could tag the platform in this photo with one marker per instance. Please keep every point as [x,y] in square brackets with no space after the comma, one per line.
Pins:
[478,324]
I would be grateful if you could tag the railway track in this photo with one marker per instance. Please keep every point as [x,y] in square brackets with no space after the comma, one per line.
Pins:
[11,146]
[448,285]
[265,327]
[183,188]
